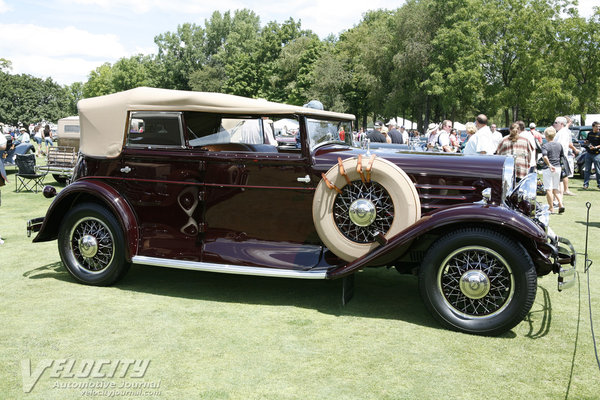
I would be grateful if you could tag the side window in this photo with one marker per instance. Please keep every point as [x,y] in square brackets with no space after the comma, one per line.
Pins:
[155,129]
[218,132]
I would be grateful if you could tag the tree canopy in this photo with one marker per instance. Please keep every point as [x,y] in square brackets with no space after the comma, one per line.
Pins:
[427,60]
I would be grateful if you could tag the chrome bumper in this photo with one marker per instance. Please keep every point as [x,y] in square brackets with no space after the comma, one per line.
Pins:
[34,225]
[566,256]
[565,260]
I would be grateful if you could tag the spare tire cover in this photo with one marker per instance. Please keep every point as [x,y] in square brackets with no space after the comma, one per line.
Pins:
[347,222]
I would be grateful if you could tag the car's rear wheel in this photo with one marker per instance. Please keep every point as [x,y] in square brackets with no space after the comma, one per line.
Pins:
[478,281]
[92,245]
[351,212]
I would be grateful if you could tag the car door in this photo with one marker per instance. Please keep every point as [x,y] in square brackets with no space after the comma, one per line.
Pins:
[258,200]
[164,185]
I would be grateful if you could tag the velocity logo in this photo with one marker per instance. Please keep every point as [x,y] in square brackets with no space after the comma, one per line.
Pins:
[84,369]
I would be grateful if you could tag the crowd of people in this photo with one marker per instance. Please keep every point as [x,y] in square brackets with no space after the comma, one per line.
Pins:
[554,156]
[20,140]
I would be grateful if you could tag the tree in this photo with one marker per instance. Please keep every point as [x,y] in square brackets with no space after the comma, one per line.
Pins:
[291,77]
[455,76]
[579,54]
[5,65]
[74,94]
[100,82]
[179,55]
[26,99]
[132,72]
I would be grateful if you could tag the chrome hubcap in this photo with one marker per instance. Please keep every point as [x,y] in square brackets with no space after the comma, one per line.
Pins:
[362,212]
[475,284]
[88,245]
[92,245]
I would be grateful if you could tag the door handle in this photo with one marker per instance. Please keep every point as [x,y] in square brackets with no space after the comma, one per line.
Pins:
[305,179]
[126,169]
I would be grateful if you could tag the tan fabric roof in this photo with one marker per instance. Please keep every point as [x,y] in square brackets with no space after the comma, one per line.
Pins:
[104,119]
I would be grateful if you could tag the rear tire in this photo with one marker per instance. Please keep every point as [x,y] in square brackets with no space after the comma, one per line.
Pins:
[478,281]
[91,244]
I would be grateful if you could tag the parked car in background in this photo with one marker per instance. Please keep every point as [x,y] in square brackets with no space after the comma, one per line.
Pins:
[190,180]
[579,137]
[62,158]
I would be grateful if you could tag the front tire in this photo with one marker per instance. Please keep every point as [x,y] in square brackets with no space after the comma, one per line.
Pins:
[478,281]
[91,245]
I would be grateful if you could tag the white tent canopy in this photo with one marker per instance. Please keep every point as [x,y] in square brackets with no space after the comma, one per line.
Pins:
[404,122]
[458,126]
[284,125]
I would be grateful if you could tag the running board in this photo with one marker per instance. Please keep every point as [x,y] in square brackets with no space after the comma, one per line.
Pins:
[228,269]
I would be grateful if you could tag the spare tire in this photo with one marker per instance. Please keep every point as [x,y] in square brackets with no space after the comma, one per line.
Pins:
[349,210]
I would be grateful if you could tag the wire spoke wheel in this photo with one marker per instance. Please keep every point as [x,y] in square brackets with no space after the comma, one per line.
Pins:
[362,210]
[92,244]
[358,201]
[476,282]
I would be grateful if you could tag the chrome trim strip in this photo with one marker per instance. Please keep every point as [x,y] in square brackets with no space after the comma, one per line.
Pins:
[227,268]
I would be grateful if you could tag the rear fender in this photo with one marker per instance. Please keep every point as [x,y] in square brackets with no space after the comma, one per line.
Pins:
[90,191]
[493,216]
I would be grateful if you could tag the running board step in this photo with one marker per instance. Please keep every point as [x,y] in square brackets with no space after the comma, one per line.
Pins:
[228,269]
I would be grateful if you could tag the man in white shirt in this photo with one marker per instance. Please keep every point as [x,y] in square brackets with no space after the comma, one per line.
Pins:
[23,136]
[481,142]
[443,139]
[405,137]
[496,135]
[563,136]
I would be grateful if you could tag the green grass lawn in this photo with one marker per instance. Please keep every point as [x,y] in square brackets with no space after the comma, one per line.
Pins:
[211,336]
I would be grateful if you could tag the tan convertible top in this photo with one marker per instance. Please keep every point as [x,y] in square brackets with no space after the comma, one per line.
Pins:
[104,119]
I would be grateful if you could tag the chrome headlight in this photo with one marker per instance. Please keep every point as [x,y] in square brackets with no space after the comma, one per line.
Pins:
[523,196]
[508,176]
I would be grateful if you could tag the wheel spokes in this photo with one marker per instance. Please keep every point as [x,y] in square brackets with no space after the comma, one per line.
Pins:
[103,241]
[374,193]
[483,263]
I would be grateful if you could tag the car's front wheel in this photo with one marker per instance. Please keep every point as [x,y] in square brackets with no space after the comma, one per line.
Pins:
[478,281]
[91,245]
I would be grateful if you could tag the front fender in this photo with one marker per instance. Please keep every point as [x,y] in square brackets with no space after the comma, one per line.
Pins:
[94,191]
[493,216]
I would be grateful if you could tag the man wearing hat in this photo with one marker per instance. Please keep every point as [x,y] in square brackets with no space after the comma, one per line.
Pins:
[376,135]
[23,136]
[394,133]
[538,136]
[431,133]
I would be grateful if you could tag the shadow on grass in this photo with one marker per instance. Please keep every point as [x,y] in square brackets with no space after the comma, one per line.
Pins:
[540,329]
[54,270]
[379,293]
[592,224]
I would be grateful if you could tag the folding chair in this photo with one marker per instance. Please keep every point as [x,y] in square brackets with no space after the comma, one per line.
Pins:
[27,176]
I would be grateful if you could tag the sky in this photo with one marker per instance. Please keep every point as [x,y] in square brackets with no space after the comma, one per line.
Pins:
[67,39]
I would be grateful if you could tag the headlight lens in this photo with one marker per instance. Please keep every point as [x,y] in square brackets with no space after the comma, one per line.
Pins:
[523,195]
[508,176]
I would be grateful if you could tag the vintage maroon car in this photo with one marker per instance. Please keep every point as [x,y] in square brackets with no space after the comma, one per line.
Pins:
[197,181]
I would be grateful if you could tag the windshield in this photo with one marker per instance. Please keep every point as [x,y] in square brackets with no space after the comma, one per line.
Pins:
[324,131]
